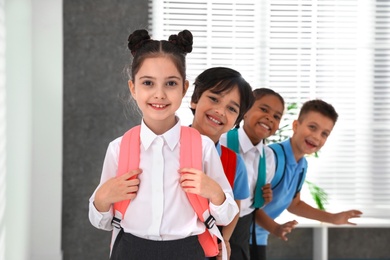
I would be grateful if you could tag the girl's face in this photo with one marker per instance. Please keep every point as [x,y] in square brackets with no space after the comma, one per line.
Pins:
[216,114]
[310,133]
[158,88]
[263,118]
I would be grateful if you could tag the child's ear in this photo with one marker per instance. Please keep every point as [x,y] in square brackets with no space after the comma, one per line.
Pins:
[185,87]
[295,125]
[192,105]
[131,88]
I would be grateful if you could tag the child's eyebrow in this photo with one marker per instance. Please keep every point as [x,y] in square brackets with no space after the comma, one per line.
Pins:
[147,77]
[235,104]
[319,126]
[270,108]
[174,77]
[167,78]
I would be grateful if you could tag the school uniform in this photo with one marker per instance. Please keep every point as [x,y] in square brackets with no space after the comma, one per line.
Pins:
[240,187]
[250,153]
[240,183]
[284,192]
[161,210]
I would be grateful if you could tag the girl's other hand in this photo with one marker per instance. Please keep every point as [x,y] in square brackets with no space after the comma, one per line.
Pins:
[197,182]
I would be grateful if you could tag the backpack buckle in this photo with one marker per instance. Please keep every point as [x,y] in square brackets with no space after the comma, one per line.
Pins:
[116,222]
[210,221]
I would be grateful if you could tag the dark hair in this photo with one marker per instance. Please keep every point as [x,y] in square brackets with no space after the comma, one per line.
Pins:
[143,47]
[261,92]
[219,80]
[320,106]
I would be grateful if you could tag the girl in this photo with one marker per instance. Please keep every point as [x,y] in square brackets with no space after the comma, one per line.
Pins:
[160,222]
[261,121]
[220,99]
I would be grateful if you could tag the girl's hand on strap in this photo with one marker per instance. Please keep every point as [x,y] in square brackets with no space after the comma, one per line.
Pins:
[116,189]
[195,181]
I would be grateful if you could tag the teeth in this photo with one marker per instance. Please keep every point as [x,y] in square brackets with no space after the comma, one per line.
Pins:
[265,126]
[158,106]
[311,143]
[214,120]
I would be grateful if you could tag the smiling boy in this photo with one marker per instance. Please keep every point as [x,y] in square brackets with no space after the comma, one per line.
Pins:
[310,132]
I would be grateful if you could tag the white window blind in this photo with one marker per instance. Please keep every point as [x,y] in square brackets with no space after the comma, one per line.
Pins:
[225,34]
[334,50]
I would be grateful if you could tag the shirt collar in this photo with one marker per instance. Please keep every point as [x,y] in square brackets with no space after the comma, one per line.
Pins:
[218,147]
[246,144]
[290,154]
[171,137]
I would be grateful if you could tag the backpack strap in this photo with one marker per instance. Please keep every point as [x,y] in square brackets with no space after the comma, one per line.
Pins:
[229,163]
[258,200]
[232,140]
[280,163]
[129,159]
[192,157]
[130,145]
[302,177]
[234,144]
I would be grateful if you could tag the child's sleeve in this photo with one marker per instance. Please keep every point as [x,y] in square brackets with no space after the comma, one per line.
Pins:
[241,184]
[102,220]
[212,166]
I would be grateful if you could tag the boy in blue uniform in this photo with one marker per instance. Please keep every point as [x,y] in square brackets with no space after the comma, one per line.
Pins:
[220,99]
[310,132]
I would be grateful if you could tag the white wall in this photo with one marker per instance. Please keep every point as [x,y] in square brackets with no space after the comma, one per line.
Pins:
[34,129]
[2,130]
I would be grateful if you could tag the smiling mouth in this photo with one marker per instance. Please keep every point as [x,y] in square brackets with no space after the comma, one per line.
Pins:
[265,126]
[214,120]
[159,106]
[312,145]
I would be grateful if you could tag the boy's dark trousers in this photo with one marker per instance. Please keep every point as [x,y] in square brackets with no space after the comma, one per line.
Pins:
[258,252]
[239,241]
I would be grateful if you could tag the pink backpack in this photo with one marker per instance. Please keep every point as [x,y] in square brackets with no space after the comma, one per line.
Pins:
[191,156]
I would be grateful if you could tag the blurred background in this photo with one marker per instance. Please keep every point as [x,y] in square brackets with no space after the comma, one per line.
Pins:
[64,97]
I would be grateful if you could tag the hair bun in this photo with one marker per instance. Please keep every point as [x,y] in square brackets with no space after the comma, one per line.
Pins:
[183,40]
[137,39]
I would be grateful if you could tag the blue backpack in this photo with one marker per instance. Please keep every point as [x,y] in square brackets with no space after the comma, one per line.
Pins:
[233,143]
[280,163]
[280,166]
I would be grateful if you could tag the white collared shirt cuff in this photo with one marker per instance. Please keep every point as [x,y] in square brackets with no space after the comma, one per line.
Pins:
[224,213]
[101,220]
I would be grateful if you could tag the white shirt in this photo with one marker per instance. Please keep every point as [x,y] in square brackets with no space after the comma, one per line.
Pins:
[251,156]
[161,210]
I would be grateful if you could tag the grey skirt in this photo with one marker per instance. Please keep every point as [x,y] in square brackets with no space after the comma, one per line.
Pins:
[130,247]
